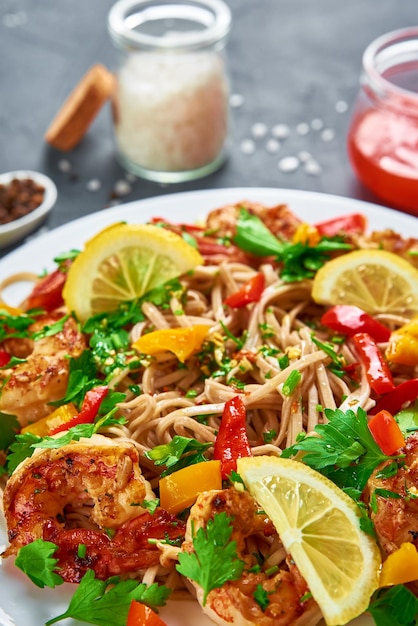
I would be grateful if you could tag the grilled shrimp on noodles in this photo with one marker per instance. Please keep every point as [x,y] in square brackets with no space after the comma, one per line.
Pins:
[396,518]
[42,378]
[83,493]
[234,603]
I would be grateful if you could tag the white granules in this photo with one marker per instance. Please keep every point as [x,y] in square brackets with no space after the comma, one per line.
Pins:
[171,111]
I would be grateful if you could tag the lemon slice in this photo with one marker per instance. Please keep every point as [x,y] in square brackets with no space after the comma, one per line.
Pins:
[123,262]
[374,280]
[319,527]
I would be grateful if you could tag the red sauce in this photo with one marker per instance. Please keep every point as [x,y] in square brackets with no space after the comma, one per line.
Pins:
[383,149]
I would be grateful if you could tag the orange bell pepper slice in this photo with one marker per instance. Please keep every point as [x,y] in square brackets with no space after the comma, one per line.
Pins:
[60,416]
[400,567]
[386,432]
[183,342]
[180,489]
[142,615]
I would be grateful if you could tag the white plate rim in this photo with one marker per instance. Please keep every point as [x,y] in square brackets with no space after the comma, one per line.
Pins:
[43,604]
[302,202]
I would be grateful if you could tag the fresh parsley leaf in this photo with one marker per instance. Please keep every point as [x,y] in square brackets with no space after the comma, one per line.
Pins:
[179,453]
[150,505]
[36,561]
[344,451]
[215,559]
[161,296]
[66,256]
[388,471]
[261,596]
[9,427]
[14,360]
[394,606]
[50,330]
[111,399]
[106,603]
[21,449]
[269,435]
[81,430]
[299,260]
[407,419]
[82,377]
[234,477]
[253,236]
[189,239]
[14,325]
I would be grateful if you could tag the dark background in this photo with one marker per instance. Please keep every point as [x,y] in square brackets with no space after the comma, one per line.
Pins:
[293,61]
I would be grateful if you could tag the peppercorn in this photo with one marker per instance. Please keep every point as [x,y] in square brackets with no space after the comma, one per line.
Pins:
[18,198]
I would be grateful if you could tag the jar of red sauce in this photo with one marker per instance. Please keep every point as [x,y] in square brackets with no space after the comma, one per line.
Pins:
[383,135]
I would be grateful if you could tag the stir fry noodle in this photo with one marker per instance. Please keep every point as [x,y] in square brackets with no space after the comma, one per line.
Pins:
[138,397]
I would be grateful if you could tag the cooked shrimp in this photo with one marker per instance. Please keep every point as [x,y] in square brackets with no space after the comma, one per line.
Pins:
[80,494]
[234,603]
[406,247]
[42,378]
[279,219]
[396,518]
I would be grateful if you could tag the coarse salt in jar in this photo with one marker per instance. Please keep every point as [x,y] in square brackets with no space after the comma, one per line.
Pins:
[170,107]
[383,134]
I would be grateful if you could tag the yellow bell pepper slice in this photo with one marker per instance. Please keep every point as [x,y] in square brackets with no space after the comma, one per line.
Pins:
[400,567]
[180,489]
[11,310]
[43,427]
[183,342]
[306,234]
[403,344]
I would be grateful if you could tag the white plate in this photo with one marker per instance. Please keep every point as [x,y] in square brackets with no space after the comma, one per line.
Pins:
[23,604]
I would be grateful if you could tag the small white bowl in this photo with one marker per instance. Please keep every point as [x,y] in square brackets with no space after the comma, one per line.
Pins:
[18,229]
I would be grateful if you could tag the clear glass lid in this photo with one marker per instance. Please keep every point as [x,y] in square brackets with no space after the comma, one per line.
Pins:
[169,24]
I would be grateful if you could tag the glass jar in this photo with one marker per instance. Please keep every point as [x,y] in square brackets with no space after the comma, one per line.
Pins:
[383,134]
[170,108]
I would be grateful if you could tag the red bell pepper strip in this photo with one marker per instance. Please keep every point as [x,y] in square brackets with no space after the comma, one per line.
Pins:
[89,409]
[4,358]
[47,293]
[142,615]
[386,432]
[377,370]
[395,400]
[232,440]
[343,225]
[250,292]
[349,320]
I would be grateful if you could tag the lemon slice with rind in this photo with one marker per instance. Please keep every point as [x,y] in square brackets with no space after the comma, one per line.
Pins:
[377,281]
[123,262]
[319,527]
